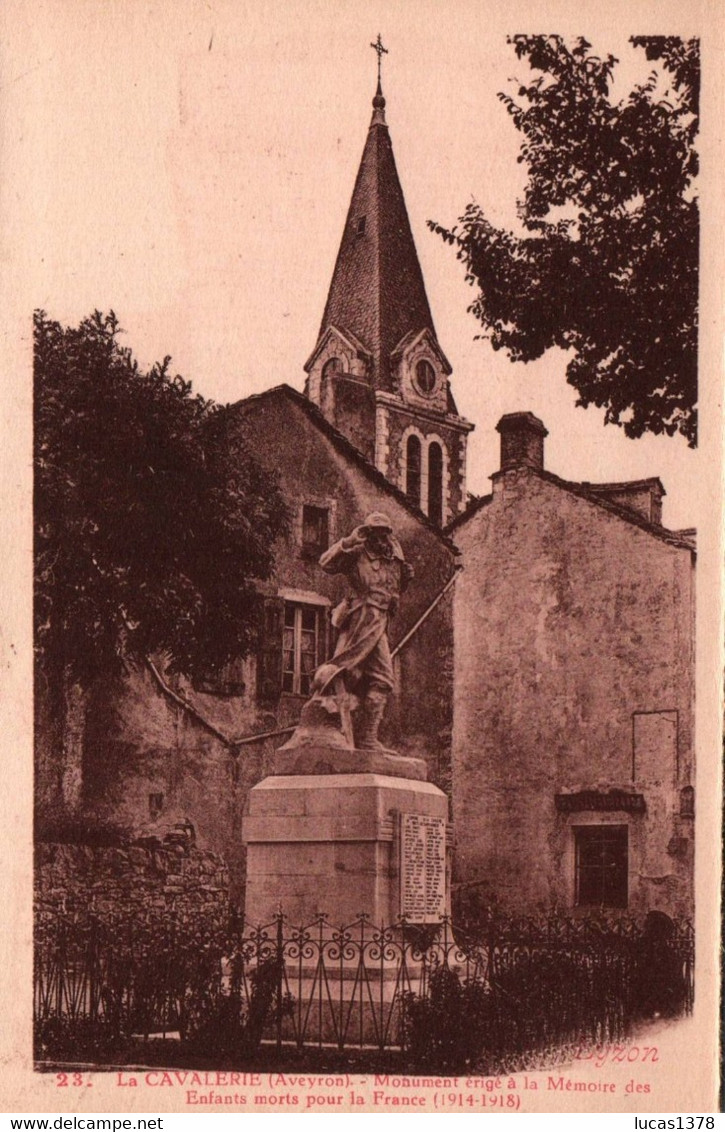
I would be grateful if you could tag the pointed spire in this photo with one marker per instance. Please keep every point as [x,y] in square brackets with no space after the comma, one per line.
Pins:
[377,293]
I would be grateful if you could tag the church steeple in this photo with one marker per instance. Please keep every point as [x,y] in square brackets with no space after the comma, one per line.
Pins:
[377,292]
[377,348]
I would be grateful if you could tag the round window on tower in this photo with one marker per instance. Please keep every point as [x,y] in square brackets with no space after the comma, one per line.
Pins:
[425,376]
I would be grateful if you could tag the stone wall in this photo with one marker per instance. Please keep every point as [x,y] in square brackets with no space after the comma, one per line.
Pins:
[130,880]
[428,666]
[574,672]
[353,412]
[150,764]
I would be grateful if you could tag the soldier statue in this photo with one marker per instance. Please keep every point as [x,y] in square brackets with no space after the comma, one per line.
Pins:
[373,560]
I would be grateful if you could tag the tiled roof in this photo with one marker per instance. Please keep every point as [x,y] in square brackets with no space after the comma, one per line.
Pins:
[683,539]
[627,485]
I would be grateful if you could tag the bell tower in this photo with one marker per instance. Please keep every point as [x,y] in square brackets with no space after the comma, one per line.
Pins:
[377,371]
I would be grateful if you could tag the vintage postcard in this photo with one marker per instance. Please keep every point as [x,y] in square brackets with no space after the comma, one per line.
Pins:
[362,610]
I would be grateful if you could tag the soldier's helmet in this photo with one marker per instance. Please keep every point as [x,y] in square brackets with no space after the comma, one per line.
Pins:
[378,521]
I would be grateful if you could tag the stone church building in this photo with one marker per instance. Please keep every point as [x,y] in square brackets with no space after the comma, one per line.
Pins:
[544,652]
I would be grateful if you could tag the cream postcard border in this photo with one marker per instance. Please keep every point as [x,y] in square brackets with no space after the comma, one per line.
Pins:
[689,1049]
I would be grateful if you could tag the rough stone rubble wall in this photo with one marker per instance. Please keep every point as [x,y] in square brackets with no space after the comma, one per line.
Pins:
[132,880]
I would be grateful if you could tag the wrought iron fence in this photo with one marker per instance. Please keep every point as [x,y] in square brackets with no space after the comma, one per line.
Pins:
[517,988]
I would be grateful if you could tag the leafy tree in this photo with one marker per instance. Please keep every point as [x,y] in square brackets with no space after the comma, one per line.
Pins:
[607,267]
[151,522]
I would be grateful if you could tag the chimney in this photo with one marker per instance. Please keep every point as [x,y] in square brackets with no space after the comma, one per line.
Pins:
[522,441]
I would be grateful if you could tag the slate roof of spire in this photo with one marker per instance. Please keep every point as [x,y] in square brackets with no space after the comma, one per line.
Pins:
[377,291]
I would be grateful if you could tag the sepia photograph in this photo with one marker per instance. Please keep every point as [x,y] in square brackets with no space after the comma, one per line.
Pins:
[365,552]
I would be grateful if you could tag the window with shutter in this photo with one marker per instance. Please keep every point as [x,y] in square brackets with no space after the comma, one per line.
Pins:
[269,659]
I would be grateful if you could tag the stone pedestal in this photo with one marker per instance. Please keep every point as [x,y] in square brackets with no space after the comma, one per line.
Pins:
[345,841]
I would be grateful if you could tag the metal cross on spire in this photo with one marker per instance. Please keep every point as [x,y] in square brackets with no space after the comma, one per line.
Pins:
[378,47]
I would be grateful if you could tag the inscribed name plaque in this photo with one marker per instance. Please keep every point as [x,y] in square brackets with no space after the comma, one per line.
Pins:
[422,868]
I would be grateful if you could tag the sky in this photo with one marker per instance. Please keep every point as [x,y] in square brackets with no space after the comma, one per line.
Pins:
[190,165]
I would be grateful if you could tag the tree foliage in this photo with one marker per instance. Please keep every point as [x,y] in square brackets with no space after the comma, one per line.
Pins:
[151,521]
[607,267]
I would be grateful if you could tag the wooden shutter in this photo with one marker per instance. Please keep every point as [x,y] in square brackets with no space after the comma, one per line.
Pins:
[269,656]
[325,635]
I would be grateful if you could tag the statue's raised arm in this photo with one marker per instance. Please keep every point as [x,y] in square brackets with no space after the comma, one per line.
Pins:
[339,557]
